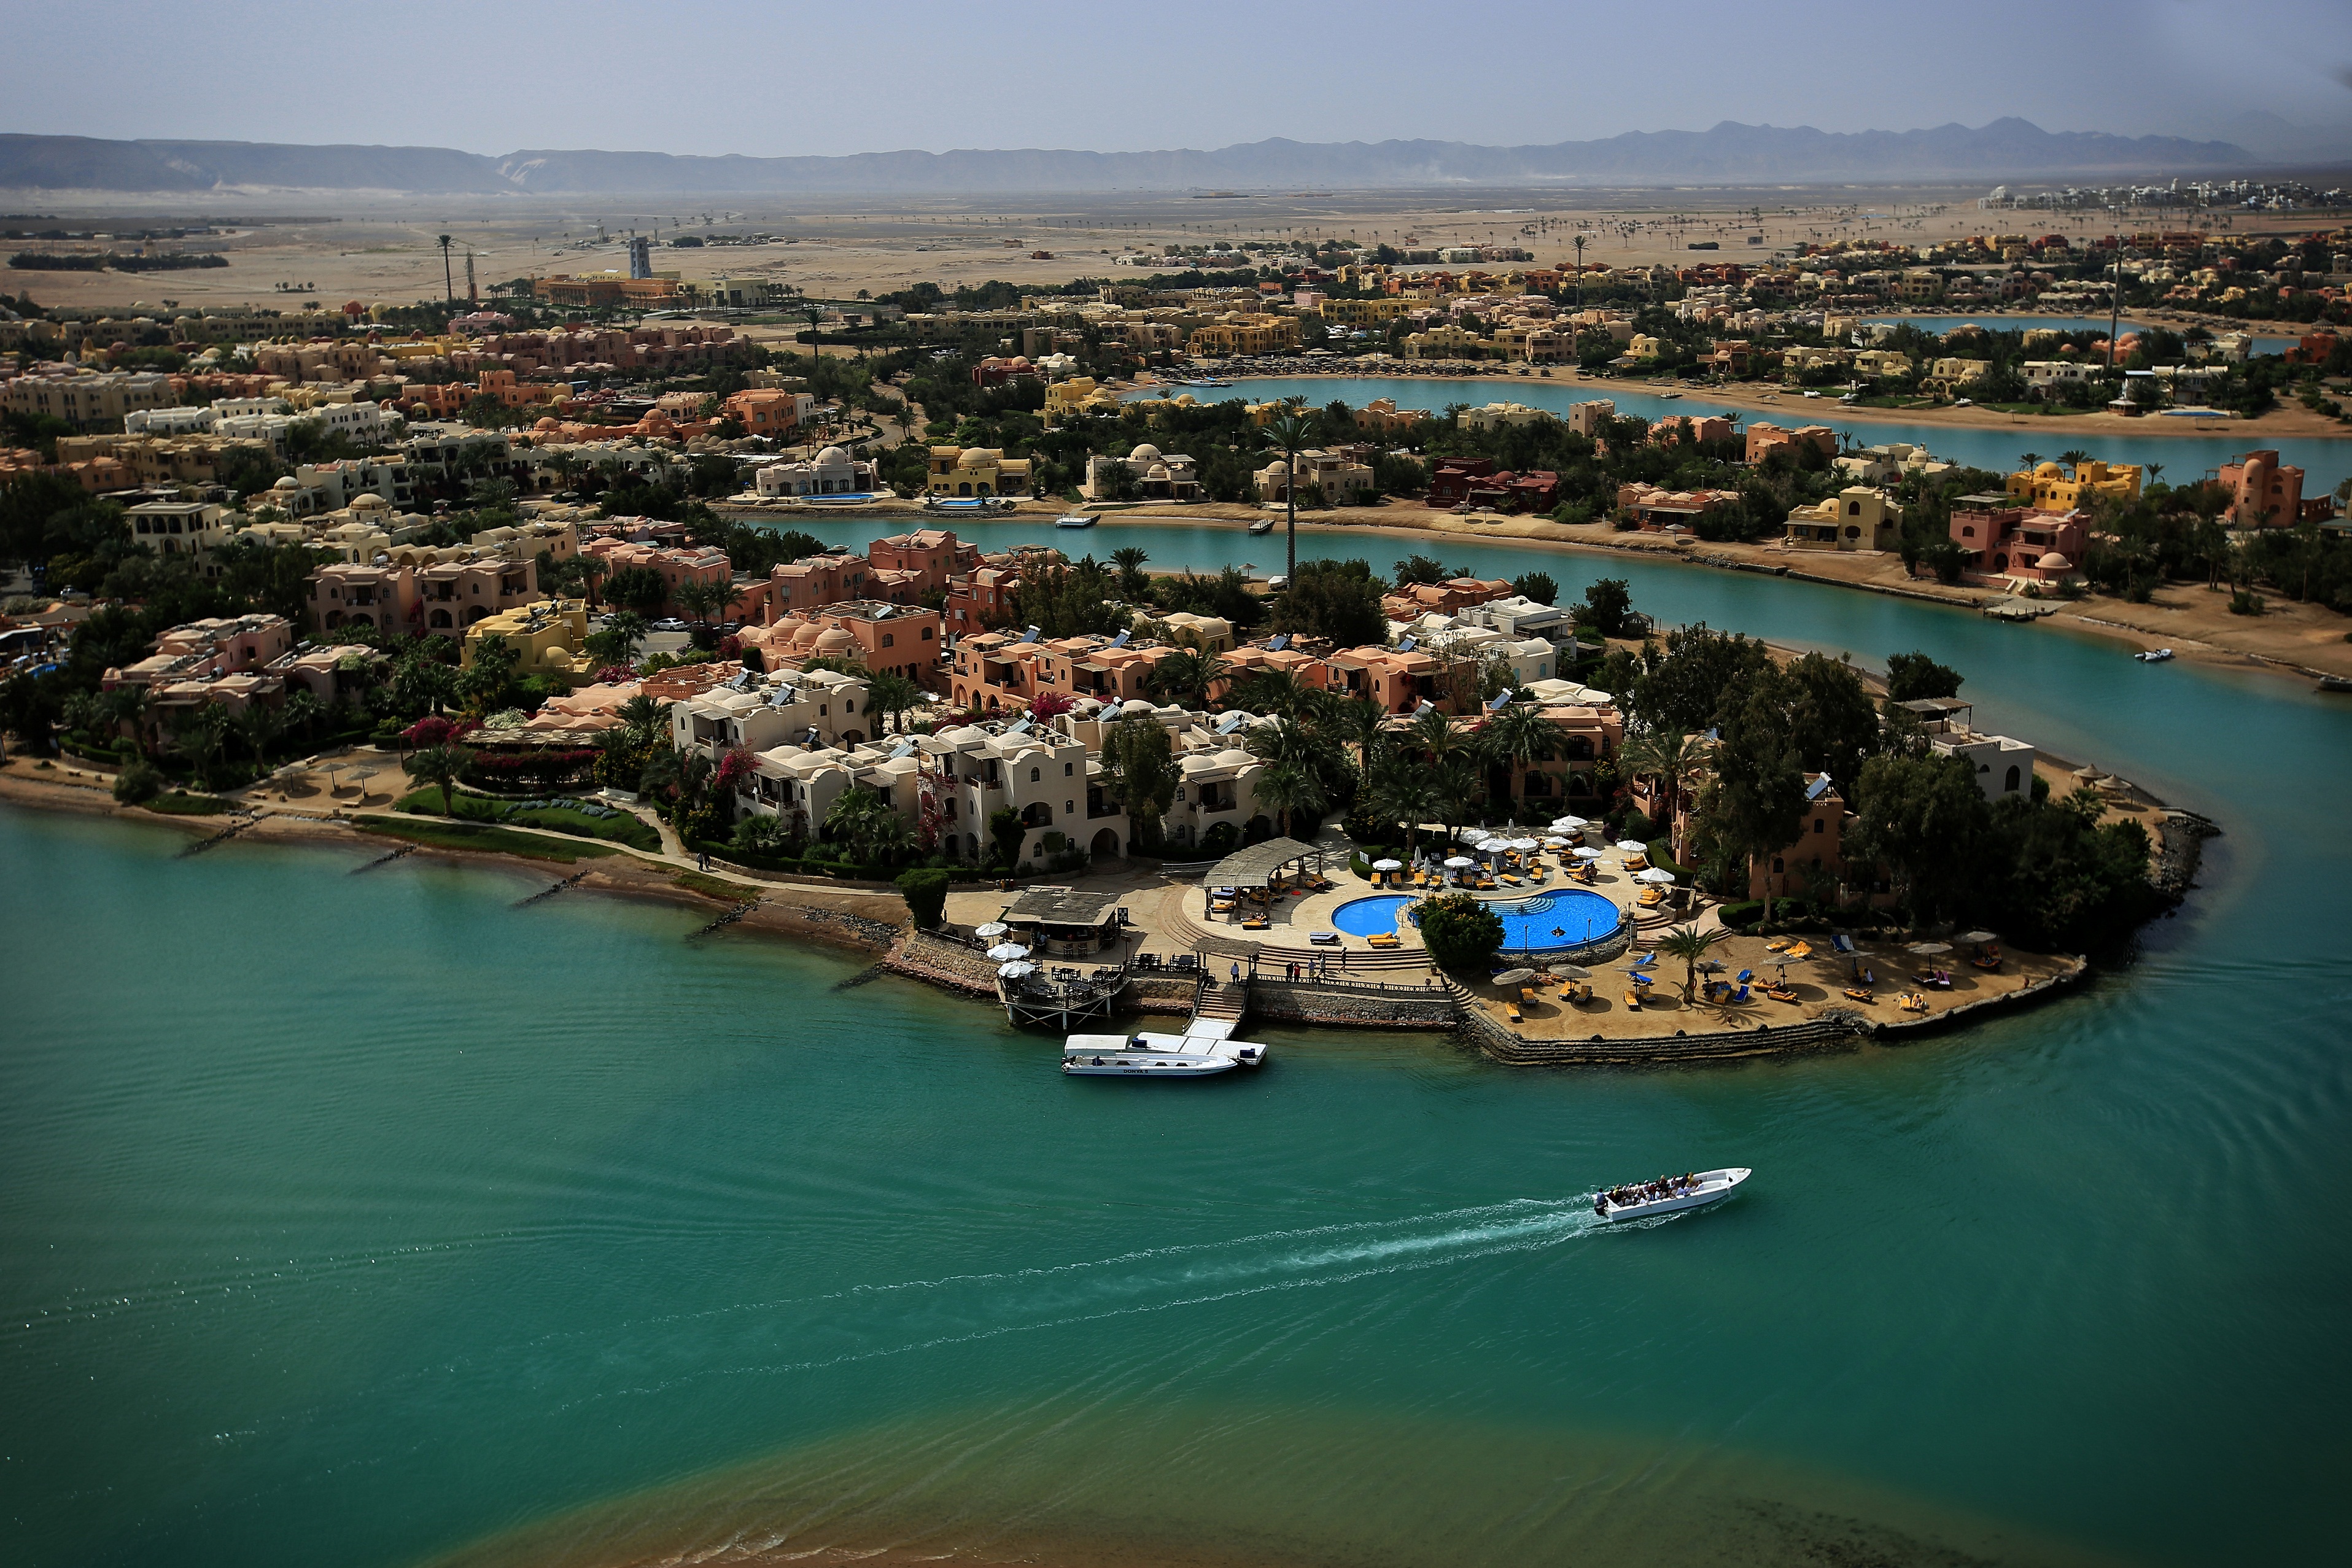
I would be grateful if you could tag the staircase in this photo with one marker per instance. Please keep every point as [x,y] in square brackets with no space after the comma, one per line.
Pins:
[1226,1000]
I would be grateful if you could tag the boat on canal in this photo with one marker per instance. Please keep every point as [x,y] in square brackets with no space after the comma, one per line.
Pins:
[1667,1195]
[2153,655]
[1074,519]
[1205,1049]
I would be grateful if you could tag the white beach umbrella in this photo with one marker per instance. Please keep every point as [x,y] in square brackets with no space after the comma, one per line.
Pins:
[1459,863]
[993,928]
[1567,824]
[1569,972]
[1555,843]
[1524,845]
[1016,970]
[1657,876]
[1930,949]
[1583,854]
[1388,865]
[1632,846]
[1976,936]
[1515,977]
[1005,952]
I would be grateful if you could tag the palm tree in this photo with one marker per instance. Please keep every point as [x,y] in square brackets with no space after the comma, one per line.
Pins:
[1130,559]
[1187,673]
[1290,431]
[2155,472]
[892,696]
[301,711]
[1277,691]
[1364,724]
[258,726]
[591,570]
[126,709]
[441,766]
[2075,458]
[1516,737]
[1691,944]
[448,281]
[202,732]
[1669,756]
[700,600]
[2028,461]
[1404,792]
[646,720]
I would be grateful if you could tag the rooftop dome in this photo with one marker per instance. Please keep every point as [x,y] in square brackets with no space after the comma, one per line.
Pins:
[2053,562]
[2049,471]
[805,638]
[834,640]
[287,483]
[1159,471]
[1234,757]
[1135,705]
[1145,452]
[547,422]
[369,500]
[1279,467]
[831,455]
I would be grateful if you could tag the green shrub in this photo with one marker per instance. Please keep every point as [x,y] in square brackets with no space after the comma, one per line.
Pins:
[1219,841]
[1460,932]
[2243,603]
[1741,915]
[138,783]
[925,892]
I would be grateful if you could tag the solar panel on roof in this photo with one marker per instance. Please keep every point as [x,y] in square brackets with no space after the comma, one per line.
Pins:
[1404,645]
[1120,640]
[1231,722]
[903,749]
[1814,790]
[1502,700]
[1276,643]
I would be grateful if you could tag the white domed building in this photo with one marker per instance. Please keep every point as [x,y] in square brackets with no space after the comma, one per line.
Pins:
[1157,475]
[831,472]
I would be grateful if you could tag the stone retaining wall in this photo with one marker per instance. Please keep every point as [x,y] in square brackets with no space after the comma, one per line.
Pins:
[1352,1007]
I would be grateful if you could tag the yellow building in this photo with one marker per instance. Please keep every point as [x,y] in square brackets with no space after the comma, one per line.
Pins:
[2050,488]
[1377,311]
[1244,335]
[1078,394]
[1445,342]
[551,636]
[976,471]
[1856,518]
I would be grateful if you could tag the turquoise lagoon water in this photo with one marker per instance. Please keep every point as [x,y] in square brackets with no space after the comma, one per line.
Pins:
[2325,461]
[378,1221]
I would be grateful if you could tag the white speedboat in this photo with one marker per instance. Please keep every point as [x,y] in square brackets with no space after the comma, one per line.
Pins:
[2153,655]
[1074,519]
[1263,525]
[1667,1195]
[1204,1050]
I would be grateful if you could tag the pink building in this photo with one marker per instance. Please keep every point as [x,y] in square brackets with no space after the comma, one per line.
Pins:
[1697,428]
[1648,505]
[2019,543]
[1450,598]
[2265,494]
[678,567]
[1763,440]
[383,597]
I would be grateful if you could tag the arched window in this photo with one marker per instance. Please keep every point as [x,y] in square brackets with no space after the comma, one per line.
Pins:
[1034,776]
[1070,770]
[1854,509]
[2012,786]
[1776,864]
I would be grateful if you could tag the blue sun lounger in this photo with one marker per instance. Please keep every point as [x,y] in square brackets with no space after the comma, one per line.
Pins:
[1842,942]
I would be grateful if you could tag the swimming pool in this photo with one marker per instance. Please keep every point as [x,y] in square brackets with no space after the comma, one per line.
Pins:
[1544,924]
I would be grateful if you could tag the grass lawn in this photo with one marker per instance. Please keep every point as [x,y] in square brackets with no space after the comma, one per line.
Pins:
[443,834]
[712,887]
[181,803]
[620,828]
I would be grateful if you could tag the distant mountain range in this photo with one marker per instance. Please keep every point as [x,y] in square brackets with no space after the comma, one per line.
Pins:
[2006,151]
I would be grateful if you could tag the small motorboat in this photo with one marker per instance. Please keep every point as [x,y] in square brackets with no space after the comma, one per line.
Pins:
[2153,655]
[1075,519]
[1667,1195]
[1263,525]
[2335,683]
[1204,1050]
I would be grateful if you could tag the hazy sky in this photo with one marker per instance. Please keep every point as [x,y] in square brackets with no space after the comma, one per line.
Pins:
[726,76]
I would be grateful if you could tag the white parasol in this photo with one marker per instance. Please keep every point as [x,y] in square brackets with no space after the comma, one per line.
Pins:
[1567,824]
[1632,846]
[1930,949]
[1515,977]
[1656,875]
[993,928]
[1016,970]
[1459,863]
[1006,952]
[1388,865]
[1583,854]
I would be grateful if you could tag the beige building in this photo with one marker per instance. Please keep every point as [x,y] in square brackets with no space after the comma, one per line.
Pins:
[1853,518]
[976,472]
[552,638]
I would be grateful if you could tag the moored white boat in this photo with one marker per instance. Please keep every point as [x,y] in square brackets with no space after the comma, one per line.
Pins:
[1074,519]
[1263,525]
[2153,655]
[1668,1194]
[1202,1051]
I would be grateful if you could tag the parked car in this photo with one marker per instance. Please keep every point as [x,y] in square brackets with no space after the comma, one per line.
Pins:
[669,623]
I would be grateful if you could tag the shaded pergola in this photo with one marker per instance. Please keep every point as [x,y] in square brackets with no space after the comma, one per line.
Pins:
[1262,865]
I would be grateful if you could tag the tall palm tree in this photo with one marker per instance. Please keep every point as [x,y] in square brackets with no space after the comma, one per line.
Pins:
[1516,737]
[258,727]
[700,600]
[2155,472]
[1291,432]
[1364,724]
[592,570]
[1669,756]
[126,709]
[1691,944]
[1187,673]
[448,279]
[1403,792]
[1130,559]
[1291,785]
[2028,461]
[439,766]
[202,732]
[2075,458]
[892,696]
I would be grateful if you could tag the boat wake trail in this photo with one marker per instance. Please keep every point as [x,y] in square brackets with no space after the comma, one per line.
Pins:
[871,1322]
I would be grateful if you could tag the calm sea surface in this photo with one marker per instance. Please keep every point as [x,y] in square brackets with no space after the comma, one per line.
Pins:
[371,1220]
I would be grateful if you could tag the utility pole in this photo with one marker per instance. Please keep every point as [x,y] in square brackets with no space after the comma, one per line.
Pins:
[448,281]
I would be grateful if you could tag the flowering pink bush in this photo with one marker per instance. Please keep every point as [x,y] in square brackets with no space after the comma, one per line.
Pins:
[1049,705]
[433,729]
[733,766]
[730,647]
[615,675]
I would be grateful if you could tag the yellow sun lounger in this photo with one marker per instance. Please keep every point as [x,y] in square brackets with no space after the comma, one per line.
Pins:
[1511,1011]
